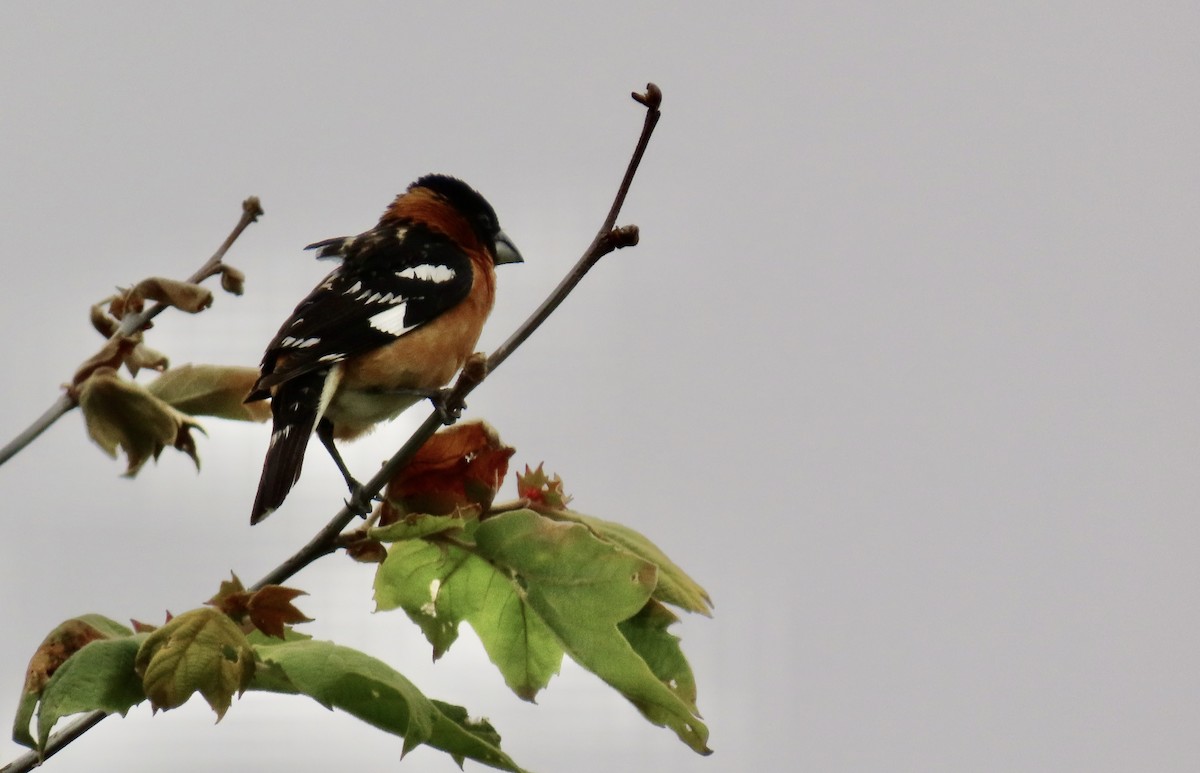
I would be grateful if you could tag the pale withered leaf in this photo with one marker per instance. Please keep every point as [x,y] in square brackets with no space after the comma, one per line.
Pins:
[121,414]
[232,280]
[182,295]
[211,390]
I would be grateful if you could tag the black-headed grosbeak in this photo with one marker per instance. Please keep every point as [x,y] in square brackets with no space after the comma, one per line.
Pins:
[388,327]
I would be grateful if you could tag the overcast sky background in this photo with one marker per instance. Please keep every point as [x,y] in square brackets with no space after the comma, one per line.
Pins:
[904,370]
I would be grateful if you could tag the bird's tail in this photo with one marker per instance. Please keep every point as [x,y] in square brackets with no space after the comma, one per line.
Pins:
[295,408]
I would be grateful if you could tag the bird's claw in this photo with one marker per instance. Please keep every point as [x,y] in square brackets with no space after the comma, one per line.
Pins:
[355,503]
[441,403]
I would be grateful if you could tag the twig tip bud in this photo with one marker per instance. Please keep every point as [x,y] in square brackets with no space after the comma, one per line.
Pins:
[252,207]
[652,99]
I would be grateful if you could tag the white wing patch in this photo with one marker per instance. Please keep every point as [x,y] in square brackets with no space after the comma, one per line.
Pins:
[390,321]
[427,273]
[280,434]
[299,343]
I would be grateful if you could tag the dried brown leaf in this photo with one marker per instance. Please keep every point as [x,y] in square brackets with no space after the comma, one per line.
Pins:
[123,415]
[185,296]
[232,280]
[63,642]
[104,324]
[143,356]
[111,356]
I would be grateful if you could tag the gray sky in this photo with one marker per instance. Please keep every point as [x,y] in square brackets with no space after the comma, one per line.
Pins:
[904,370]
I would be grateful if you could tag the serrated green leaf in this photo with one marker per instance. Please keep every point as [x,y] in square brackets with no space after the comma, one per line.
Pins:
[369,689]
[582,586]
[202,651]
[674,585]
[100,676]
[439,586]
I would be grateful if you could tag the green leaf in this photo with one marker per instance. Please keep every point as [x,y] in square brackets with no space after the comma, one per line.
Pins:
[199,651]
[439,586]
[100,676]
[674,585]
[414,527]
[25,708]
[369,689]
[107,626]
[59,646]
[582,587]
[647,633]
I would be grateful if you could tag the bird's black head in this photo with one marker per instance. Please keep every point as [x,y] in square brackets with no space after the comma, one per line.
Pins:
[475,209]
[468,201]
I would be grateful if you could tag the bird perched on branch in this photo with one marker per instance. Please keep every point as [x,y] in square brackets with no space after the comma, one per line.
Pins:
[388,327]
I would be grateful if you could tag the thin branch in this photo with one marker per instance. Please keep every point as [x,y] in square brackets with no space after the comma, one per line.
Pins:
[326,540]
[75,728]
[61,407]
[251,210]
[607,239]
[131,324]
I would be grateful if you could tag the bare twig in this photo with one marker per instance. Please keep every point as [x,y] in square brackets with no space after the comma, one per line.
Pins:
[251,210]
[61,406]
[130,325]
[607,239]
[75,728]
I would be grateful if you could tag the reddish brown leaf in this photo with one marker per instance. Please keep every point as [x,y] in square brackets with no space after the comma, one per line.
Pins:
[460,467]
[232,598]
[365,551]
[271,609]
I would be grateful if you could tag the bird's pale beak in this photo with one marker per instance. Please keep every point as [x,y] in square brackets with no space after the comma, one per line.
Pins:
[506,251]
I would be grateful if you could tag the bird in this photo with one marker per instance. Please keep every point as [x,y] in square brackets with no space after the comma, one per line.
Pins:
[388,327]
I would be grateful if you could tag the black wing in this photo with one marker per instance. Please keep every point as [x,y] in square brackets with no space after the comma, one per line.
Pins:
[391,281]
